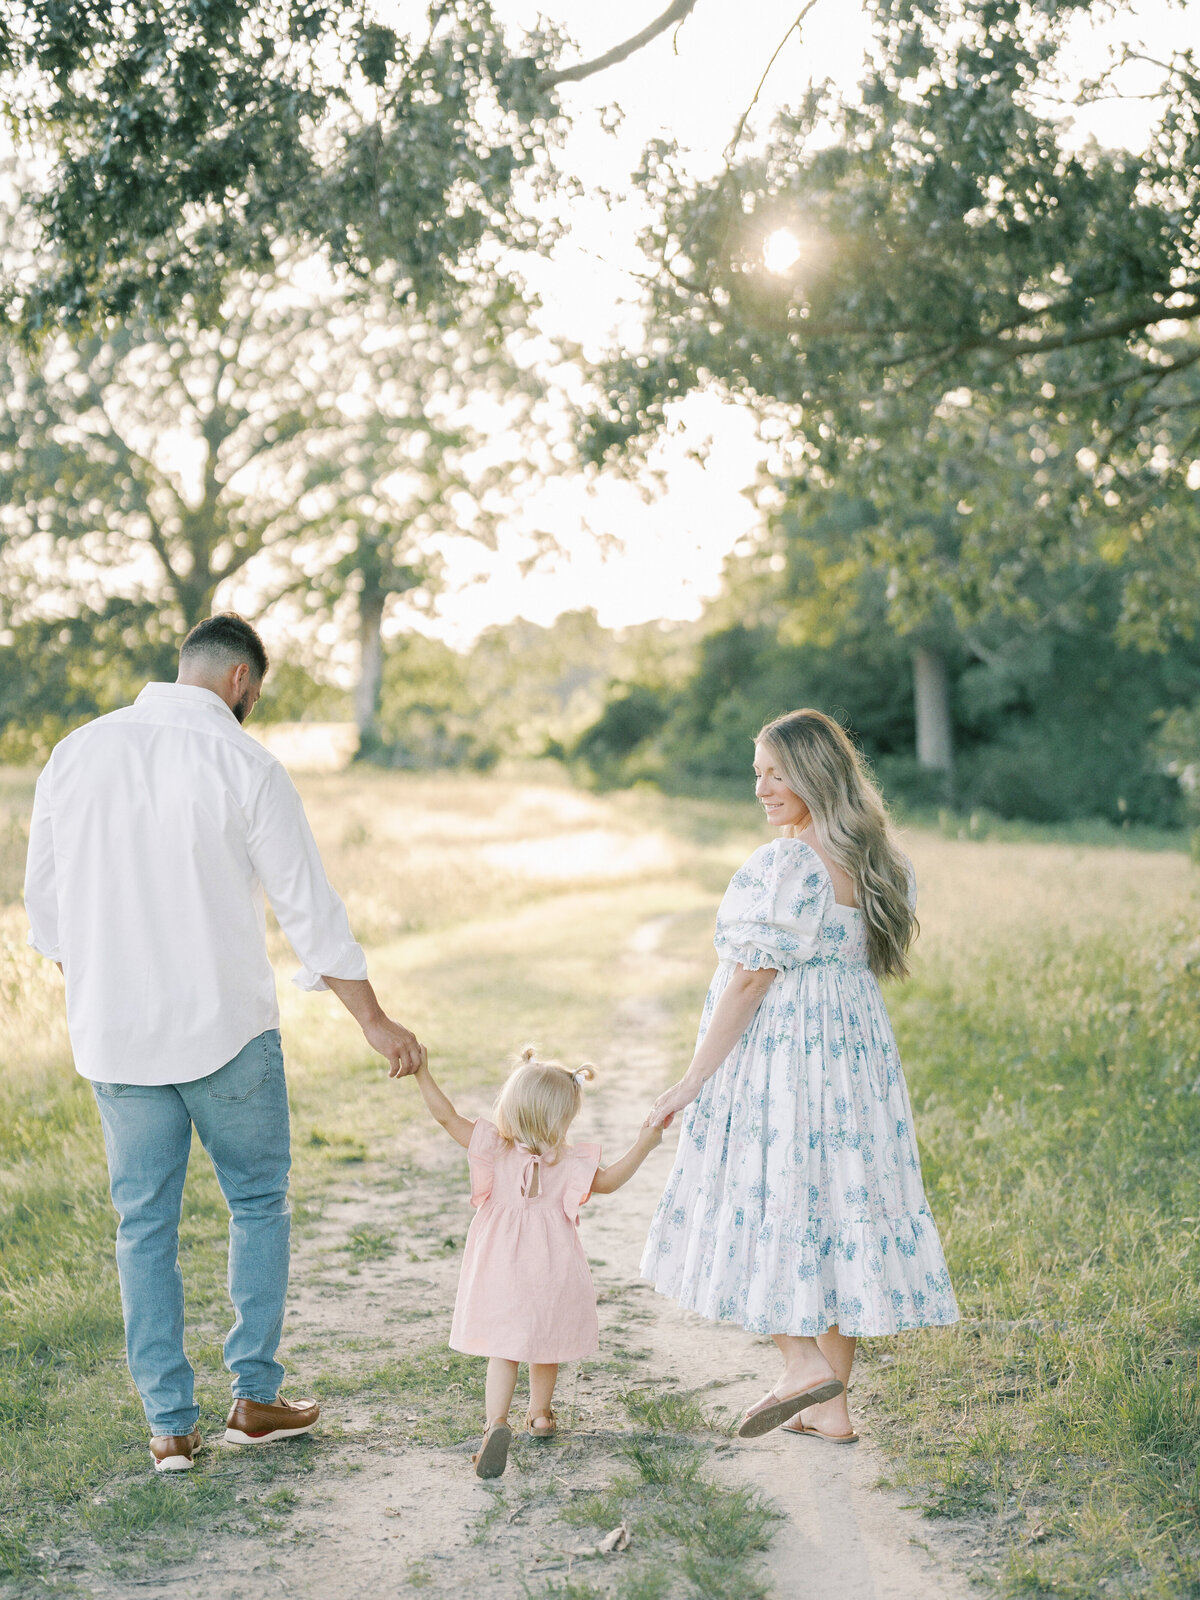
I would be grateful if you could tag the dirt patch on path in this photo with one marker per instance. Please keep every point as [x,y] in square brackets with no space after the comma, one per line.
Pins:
[384,1501]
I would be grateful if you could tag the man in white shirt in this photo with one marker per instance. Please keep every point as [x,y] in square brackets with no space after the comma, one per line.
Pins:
[155,831]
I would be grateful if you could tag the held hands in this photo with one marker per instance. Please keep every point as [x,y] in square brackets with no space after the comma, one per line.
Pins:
[671,1101]
[404,1051]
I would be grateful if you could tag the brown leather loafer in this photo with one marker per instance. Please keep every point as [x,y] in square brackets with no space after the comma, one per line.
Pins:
[173,1452]
[253,1422]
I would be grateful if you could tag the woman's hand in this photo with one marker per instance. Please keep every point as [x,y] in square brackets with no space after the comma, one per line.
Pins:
[671,1101]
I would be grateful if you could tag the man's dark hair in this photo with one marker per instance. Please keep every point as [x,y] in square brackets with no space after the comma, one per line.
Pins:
[225,640]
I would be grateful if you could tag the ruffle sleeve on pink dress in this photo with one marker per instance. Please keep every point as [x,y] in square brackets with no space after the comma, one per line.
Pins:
[481,1156]
[525,1292]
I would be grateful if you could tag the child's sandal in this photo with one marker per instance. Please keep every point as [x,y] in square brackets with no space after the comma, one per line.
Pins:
[492,1456]
[546,1417]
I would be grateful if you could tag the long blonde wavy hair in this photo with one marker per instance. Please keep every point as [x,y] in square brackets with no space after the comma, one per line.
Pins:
[820,764]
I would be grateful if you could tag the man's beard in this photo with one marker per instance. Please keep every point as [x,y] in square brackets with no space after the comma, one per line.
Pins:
[244,706]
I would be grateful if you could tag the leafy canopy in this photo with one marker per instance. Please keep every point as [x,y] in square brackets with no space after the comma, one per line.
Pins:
[188,138]
[972,317]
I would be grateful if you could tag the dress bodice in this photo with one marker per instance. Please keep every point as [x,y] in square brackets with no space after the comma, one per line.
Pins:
[841,940]
[502,1174]
[779,911]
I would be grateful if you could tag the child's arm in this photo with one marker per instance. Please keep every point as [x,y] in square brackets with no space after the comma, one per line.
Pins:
[609,1178]
[440,1109]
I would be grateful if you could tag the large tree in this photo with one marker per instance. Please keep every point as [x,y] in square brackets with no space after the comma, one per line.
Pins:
[179,150]
[940,304]
[295,440]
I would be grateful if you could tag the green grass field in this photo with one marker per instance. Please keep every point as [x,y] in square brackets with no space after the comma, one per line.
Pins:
[1051,1035]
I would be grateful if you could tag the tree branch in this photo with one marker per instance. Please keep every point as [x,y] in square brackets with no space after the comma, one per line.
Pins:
[158,543]
[1114,327]
[675,13]
[1005,350]
[1145,369]
[731,147]
[240,554]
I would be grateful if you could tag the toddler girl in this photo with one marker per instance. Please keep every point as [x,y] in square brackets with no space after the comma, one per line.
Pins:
[525,1293]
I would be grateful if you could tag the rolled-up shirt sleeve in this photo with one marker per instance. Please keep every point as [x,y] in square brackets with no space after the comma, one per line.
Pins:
[41,878]
[308,909]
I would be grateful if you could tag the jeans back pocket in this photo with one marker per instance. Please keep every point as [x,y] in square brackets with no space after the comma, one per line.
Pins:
[249,1070]
[110,1091]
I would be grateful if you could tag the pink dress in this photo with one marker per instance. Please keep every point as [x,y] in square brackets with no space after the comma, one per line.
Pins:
[525,1292]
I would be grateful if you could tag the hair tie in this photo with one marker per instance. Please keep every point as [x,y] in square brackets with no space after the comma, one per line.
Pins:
[584,1074]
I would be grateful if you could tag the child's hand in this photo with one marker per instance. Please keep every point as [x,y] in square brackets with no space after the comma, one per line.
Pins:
[672,1101]
[648,1137]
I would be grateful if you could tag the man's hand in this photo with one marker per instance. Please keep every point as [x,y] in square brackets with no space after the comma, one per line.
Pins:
[404,1051]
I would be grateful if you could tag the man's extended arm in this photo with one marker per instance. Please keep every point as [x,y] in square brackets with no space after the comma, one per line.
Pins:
[404,1051]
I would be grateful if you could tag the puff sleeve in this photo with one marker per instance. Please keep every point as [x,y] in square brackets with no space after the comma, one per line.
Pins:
[773,908]
[582,1161]
[481,1158]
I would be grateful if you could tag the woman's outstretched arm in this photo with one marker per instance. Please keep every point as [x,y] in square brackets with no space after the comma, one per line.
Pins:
[441,1110]
[732,1015]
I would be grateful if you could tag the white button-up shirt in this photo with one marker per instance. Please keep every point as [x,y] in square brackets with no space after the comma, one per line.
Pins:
[155,831]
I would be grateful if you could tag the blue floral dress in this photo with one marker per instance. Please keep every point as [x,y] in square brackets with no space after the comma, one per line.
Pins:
[795,1203]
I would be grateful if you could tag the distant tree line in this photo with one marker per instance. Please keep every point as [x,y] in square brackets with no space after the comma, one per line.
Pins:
[1050,721]
[520,692]
[1051,718]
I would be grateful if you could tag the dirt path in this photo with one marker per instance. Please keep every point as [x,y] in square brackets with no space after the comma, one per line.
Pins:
[384,1508]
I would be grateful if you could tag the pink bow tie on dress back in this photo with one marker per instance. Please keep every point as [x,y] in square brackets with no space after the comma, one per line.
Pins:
[533,1163]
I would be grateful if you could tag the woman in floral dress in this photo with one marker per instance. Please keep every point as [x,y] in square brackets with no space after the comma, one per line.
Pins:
[795,1206]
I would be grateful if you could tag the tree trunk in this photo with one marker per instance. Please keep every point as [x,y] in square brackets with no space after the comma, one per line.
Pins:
[370,672]
[931,694]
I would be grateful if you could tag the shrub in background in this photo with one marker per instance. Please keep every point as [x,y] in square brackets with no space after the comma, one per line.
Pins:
[429,712]
[56,673]
[1064,724]
[293,694]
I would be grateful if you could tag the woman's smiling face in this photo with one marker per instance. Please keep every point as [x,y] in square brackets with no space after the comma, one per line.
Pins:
[783,806]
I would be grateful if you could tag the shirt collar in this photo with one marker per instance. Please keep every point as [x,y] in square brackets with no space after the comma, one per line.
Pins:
[189,693]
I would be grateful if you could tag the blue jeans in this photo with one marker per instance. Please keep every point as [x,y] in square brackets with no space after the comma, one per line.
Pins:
[241,1115]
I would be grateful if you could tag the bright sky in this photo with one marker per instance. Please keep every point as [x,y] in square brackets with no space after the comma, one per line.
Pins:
[631,559]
